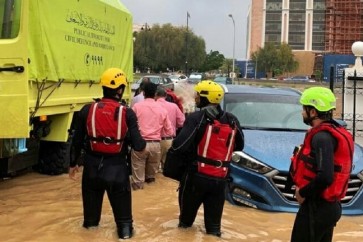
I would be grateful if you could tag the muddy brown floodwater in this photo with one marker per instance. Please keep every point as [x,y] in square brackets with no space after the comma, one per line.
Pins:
[41,208]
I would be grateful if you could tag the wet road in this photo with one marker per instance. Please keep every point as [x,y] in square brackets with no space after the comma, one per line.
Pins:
[43,208]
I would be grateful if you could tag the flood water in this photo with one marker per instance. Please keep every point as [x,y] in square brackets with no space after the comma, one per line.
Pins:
[41,208]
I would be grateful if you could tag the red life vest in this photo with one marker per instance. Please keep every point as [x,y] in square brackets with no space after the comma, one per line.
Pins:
[106,126]
[304,168]
[215,149]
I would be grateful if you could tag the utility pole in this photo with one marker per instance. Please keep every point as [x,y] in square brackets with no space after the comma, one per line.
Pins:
[234,38]
[186,46]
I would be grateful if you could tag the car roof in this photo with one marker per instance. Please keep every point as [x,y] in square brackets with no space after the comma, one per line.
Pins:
[261,90]
[154,76]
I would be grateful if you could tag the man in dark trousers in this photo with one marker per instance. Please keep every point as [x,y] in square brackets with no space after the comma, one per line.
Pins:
[105,129]
[207,140]
[320,168]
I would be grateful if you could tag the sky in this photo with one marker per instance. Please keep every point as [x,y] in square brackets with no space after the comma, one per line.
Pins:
[208,19]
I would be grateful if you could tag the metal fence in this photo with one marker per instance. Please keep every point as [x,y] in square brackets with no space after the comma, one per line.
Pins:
[350,94]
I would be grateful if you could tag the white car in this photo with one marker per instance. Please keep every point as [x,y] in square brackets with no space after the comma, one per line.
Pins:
[162,80]
[178,78]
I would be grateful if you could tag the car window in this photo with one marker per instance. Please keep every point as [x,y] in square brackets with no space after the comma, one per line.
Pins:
[220,79]
[264,111]
[155,80]
[174,77]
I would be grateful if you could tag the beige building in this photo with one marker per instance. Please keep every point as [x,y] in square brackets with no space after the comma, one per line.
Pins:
[310,27]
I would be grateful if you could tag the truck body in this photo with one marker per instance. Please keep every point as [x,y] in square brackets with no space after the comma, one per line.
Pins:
[52,56]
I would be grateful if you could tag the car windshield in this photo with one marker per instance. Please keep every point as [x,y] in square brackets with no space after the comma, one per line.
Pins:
[266,111]
[153,79]
[220,79]
[174,77]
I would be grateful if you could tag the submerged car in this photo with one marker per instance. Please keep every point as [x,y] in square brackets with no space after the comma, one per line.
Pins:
[178,78]
[223,80]
[272,123]
[299,79]
[164,81]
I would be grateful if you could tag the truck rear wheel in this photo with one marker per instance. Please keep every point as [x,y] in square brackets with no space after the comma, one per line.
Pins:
[54,157]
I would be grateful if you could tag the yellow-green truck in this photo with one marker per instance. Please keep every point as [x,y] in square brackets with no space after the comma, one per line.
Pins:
[52,53]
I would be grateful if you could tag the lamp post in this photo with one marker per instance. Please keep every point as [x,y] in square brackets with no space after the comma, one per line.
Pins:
[234,38]
[256,66]
[134,39]
[146,28]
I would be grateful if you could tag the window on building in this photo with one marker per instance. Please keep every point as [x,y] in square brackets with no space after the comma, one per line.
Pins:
[319,5]
[274,27]
[274,5]
[297,4]
[297,27]
[273,16]
[297,16]
[319,17]
[276,38]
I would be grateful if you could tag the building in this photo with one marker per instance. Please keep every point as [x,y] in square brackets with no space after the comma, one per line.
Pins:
[311,27]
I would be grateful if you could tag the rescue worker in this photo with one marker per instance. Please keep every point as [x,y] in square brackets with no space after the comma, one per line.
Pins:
[207,140]
[320,168]
[104,129]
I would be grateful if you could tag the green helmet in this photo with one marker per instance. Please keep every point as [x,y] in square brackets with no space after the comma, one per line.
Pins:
[321,98]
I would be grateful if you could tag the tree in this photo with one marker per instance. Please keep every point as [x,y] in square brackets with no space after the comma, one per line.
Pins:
[164,47]
[213,61]
[275,59]
[286,60]
[227,66]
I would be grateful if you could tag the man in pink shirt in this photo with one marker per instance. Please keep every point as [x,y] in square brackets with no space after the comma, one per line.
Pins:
[139,93]
[152,118]
[176,118]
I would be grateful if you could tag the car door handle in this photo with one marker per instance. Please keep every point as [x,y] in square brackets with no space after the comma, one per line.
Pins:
[17,69]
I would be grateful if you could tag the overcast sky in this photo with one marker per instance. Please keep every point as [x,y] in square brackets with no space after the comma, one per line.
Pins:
[208,19]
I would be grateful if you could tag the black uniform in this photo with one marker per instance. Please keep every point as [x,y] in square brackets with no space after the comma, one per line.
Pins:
[196,189]
[316,218]
[108,173]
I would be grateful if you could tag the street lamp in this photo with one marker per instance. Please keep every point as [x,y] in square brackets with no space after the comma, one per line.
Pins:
[256,66]
[234,38]
[146,28]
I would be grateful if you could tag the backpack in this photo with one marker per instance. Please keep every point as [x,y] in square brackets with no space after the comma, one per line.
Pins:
[106,126]
[215,149]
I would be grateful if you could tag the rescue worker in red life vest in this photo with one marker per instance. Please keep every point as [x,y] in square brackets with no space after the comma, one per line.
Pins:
[206,142]
[105,129]
[320,168]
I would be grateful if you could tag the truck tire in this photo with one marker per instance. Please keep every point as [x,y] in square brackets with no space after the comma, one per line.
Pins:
[54,157]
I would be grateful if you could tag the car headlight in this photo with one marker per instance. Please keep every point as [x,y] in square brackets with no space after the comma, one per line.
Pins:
[360,175]
[245,161]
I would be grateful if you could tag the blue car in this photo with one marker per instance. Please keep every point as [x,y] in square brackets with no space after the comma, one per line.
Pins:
[272,123]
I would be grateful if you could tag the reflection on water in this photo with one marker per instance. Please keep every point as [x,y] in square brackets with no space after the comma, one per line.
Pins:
[44,208]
